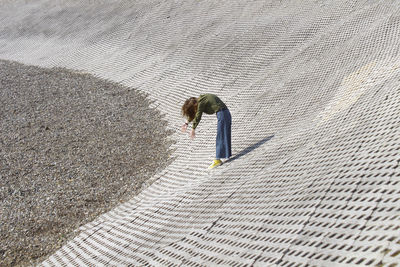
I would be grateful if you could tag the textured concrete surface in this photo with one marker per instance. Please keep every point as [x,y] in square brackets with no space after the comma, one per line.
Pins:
[313,88]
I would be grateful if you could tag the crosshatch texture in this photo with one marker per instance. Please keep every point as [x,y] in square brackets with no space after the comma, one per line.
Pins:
[314,92]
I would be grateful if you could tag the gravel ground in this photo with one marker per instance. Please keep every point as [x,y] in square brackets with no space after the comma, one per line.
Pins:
[72,147]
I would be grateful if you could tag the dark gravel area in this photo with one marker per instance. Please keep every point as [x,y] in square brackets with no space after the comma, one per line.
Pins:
[72,146]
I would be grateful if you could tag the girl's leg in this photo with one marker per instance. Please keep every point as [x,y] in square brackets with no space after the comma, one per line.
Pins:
[223,142]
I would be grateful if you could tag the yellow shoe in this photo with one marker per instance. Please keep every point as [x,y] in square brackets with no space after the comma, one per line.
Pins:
[215,163]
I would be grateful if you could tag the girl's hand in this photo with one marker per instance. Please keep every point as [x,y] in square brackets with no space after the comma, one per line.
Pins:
[192,134]
[184,128]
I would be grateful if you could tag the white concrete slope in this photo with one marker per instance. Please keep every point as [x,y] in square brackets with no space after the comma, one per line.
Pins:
[314,91]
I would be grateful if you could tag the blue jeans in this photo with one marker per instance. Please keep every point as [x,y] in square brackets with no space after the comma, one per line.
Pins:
[223,143]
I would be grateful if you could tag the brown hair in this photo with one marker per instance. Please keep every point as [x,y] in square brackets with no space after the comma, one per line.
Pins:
[189,109]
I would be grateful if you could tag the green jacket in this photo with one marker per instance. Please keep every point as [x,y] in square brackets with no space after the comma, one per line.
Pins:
[208,104]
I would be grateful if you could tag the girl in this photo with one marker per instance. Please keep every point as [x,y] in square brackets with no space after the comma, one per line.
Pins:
[193,109]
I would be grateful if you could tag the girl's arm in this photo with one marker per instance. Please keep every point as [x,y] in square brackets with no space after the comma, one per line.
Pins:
[192,134]
[184,127]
